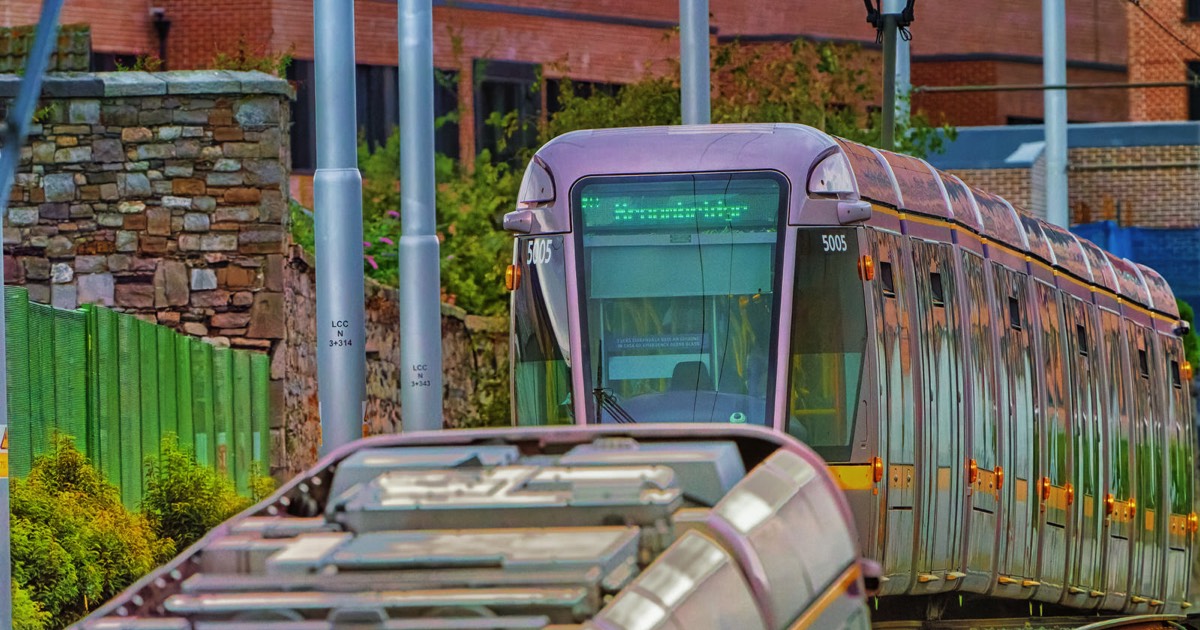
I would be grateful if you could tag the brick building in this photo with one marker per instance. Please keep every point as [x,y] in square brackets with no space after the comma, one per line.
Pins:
[492,52]
[1156,54]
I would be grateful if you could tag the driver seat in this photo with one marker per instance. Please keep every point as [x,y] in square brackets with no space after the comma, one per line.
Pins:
[691,376]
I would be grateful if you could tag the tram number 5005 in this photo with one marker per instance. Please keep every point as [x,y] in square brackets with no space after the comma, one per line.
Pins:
[834,242]
[537,252]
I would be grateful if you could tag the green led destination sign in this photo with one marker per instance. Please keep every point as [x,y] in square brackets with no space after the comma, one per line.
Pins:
[711,203]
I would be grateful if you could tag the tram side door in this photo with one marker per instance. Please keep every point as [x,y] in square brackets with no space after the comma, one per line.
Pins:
[1018,490]
[1087,444]
[942,470]
[897,414]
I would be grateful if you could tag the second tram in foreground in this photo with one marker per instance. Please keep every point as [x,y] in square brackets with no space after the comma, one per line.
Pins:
[1005,404]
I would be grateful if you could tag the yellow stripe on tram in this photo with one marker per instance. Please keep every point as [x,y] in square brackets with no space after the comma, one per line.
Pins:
[853,476]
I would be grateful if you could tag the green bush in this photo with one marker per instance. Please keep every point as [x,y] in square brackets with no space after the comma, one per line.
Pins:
[74,545]
[27,614]
[185,499]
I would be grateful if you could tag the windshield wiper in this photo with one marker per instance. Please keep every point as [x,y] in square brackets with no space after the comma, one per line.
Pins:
[605,400]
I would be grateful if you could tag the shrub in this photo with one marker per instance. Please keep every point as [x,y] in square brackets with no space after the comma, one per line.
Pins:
[73,544]
[26,613]
[185,499]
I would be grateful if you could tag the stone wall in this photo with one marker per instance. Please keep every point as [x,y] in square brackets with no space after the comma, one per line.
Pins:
[475,358]
[160,195]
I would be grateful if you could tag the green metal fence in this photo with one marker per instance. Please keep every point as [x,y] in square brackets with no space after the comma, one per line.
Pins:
[118,384]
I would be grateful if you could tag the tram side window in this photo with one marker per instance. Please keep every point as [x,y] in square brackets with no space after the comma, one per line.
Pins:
[828,339]
[1081,335]
[1143,363]
[1014,313]
[887,279]
[540,333]
[1175,381]
[936,288]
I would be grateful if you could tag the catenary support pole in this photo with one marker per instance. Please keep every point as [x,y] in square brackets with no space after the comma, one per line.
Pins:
[694,62]
[1054,72]
[903,81]
[12,137]
[889,81]
[337,194]
[420,279]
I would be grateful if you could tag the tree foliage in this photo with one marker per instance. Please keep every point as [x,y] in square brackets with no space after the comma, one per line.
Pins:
[73,544]
[824,85]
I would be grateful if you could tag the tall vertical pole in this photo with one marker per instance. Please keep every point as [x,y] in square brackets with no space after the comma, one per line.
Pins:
[693,61]
[337,193]
[889,81]
[903,81]
[1054,72]
[420,278]
[12,137]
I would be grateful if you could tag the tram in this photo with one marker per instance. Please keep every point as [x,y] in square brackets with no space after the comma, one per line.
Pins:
[1005,405]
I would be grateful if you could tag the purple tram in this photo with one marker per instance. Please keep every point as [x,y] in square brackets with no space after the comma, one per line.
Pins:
[1005,405]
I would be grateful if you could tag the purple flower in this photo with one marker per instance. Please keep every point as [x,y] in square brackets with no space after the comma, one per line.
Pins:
[393,214]
[371,260]
[366,243]
[384,239]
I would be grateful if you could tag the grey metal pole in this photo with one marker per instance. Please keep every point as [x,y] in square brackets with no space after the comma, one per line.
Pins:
[1054,72]
[903,81]
[693,62]
[337,195]
[13,132]
[420,277]
[889,81]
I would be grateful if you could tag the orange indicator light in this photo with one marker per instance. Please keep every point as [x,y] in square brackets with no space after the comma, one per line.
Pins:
[999,477]
[512,277]
[866,268]
[1045,488]
[1193,522]
[1070,494]
[1110,504]
[972,471]
[877,469]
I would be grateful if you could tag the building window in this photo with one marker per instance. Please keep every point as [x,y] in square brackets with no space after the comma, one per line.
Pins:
[1193,9]
[1193,75]
[501,88]
[377,109]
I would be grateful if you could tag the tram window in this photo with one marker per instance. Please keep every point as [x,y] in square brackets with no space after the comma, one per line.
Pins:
[1175,379]
[1081,334]
[1143,363]
[935,286]
[1014,313]
[829,335]
[889,281]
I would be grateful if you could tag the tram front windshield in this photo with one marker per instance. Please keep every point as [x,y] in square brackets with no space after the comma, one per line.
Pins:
[679,280]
